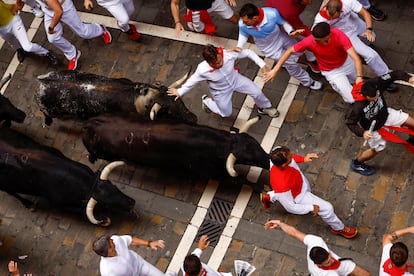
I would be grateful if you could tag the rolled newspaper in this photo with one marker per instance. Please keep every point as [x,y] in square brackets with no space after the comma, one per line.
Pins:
[371,128]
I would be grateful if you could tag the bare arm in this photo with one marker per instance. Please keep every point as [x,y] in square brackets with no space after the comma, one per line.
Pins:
[175,12]
[288,229]
[368,22]
[389,238]
[359,271]
[57,14]
[152,244]
[358,64]
[272,74]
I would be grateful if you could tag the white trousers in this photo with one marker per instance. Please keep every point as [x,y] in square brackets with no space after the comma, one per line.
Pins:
[341,79]
[148,269]
[371,57]
[71,18]
[222,100]
[326,210]
[274,45]
[122,12]
[15,34]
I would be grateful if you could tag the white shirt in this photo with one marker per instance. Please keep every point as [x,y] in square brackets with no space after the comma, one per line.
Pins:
[127,263]
[222,79]
[348,21]
[344,269]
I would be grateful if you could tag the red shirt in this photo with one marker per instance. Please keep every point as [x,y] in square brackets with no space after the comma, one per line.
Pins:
[287,179]
[330,56]
[290,11]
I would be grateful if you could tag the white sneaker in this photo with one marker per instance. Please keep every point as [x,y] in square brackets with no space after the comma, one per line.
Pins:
[316,85]
[271,112]
[203,105]
[37,12]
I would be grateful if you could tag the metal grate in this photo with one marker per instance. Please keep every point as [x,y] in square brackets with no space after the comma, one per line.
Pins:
[215,220]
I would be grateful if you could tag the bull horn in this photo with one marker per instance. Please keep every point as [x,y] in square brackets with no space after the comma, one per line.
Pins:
[231,160]
[92,202]
[154,110]
[180,81]
[108,168]
[5,80]
[249,123]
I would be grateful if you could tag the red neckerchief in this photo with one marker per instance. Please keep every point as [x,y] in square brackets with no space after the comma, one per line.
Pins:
[356,92]
[221,53]
[335,265]
[324,13]
[394,270]
[261,16]
[209,27]
[203,273]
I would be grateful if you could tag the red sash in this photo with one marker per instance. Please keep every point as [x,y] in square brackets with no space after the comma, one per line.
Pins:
[356,91]
[210,28]
[324,13]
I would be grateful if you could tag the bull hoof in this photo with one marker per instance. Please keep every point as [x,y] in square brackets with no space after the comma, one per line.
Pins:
[7,123]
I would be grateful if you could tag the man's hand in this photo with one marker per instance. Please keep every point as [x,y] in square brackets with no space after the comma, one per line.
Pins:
[13,269]
[88,4]
[231,2]
[315,210]
[411,80]
[203,243]
[269,76]
[173,92]
[296,33]
[154,245]
[310,156]
[369,35]
[368,135]
[271,224]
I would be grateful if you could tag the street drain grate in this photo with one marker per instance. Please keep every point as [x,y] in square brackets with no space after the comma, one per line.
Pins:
[215,220]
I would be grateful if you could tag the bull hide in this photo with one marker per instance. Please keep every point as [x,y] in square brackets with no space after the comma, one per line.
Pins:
[8,112]
[73,94]
[27,167]
[171,145]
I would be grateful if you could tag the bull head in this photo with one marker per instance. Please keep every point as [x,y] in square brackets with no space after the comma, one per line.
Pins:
[93,201]
[178,107]
[231,158]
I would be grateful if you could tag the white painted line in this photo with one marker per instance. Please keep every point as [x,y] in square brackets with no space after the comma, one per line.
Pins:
[254,173]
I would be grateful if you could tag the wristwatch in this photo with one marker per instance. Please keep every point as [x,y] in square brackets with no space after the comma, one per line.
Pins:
[51,28]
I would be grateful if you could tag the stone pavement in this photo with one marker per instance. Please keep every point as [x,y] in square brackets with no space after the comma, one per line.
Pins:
[60,243]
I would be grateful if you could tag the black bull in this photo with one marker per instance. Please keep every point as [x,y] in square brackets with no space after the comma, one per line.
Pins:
[172,145]
[27,167]
[72,94]
[8,112]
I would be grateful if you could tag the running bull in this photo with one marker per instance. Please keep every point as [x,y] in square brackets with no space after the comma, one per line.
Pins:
[27,167]
[172,145]
[73,94]
[8,112]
